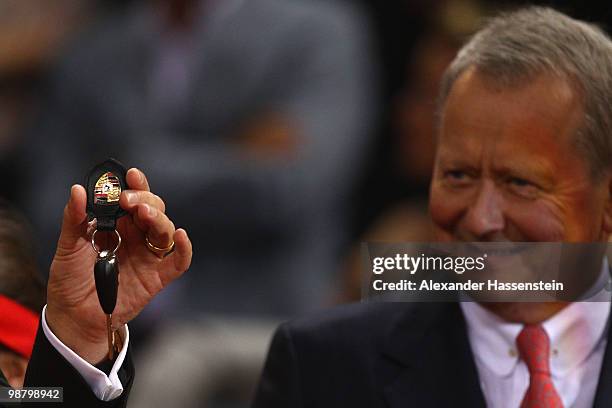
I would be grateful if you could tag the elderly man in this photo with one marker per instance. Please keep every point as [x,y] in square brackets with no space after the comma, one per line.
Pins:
[71,346]
[524,154]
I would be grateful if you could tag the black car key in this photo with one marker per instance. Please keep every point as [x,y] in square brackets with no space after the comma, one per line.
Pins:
[104,184]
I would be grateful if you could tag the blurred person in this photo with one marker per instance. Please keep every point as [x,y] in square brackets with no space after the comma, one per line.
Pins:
[413,123]
[245,113]
[22,294]
[264,101]
[31,34]
[408,222]
[415,106]
[524,154]
[400,28]
[18,331]
[71,349]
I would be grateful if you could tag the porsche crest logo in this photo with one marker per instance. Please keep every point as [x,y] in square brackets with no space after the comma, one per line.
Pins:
[107,189]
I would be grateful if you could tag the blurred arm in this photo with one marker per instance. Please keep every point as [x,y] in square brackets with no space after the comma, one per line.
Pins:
[318,96]
[323,104]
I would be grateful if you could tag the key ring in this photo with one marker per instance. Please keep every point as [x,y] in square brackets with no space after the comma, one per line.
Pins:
[93,244]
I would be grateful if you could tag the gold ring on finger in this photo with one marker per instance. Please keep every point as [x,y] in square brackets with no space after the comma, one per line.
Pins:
[160,252]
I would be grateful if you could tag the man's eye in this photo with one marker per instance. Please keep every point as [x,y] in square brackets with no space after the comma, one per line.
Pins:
[457,176]
[522,187]
[519,182]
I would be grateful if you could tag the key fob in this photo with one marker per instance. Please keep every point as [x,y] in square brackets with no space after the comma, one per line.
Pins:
[106,274]
[104,184]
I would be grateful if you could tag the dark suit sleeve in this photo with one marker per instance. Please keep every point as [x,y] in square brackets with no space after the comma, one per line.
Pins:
[48,368]
[279,386]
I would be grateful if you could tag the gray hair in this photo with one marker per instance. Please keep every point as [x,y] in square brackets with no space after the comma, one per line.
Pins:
[515,47]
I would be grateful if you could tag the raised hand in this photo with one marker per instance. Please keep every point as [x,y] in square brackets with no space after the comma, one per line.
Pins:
[73,310]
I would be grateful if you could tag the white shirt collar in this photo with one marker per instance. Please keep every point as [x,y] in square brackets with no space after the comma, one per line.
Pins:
[574,333]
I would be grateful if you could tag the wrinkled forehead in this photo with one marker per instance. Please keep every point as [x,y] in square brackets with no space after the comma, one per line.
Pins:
[546,105]
[534,123]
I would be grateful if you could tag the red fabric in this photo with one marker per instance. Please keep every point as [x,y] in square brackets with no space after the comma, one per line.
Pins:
[534,346]
[18,326]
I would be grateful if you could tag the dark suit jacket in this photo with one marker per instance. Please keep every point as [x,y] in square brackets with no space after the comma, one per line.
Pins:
[47,368]
[392,355]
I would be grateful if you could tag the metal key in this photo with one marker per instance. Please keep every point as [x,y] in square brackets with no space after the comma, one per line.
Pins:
[106,274]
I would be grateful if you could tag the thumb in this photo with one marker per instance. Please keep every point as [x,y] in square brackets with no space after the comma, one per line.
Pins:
[74,225]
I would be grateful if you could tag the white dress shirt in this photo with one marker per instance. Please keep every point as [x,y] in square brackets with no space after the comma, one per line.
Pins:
[577,343]
[105,387]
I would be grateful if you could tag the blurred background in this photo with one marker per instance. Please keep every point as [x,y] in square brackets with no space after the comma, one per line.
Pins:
[281,133]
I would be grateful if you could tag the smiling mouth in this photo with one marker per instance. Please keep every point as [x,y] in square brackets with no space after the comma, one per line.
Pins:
[506,248]
[487,249]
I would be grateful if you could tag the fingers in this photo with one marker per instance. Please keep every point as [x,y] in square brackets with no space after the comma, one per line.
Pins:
[155,224]
[148,211]
[75,215]
[183,250]
[136,180]
[131,198]
[178,262]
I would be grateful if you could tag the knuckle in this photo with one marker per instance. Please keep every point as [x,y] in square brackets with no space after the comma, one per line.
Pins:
[161,203]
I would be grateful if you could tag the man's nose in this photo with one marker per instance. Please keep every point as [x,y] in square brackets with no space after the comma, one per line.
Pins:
[485,217]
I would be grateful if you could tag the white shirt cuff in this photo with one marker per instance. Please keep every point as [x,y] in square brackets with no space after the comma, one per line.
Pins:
[105,387]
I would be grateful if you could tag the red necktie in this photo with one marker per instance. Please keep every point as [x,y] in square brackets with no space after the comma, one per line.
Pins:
[534,346]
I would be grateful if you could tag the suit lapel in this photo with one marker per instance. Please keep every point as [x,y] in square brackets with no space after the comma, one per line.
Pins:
[433,360]
[603,395]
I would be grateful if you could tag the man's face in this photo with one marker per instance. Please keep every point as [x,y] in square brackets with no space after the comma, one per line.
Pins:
[506,167]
